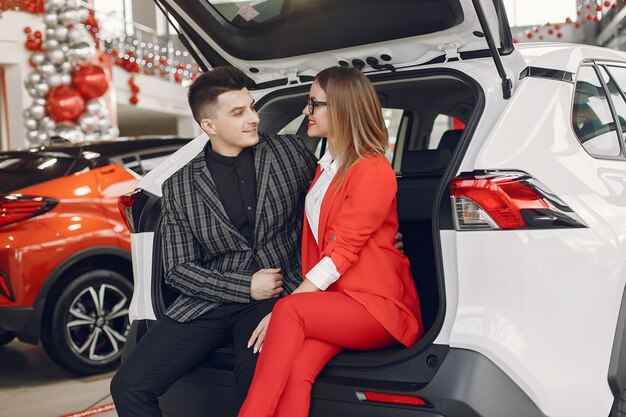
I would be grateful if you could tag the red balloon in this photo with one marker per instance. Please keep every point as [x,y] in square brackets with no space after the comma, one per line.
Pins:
[65,104]
[91,81]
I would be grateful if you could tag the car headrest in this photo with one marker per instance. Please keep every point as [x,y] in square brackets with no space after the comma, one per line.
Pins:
[450,139]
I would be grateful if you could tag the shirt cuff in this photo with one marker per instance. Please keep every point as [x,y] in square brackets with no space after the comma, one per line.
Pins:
[323,274]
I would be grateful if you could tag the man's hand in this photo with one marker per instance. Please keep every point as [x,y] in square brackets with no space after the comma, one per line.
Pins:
[399,243]
[258,335]
[266,283]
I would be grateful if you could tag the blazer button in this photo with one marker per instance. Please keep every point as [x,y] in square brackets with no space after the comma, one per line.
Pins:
[334,238]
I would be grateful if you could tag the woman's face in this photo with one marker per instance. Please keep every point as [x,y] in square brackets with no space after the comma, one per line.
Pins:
[318,119]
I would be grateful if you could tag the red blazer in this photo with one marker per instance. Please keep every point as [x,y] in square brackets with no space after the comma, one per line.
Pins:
[357,229]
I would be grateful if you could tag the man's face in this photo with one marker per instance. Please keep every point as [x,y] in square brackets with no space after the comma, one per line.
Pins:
[234,123]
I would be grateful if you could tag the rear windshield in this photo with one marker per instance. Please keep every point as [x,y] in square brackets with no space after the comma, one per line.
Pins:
[21,171]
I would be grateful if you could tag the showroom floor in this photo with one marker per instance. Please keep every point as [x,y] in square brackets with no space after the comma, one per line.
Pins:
[31,385]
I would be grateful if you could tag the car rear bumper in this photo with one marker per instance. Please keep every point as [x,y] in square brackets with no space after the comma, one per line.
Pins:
[23,321]
[464,384]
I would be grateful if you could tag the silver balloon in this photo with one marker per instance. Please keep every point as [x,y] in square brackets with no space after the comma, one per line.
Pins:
[42,89]
[32,91]
[40,101]
[37,111]
[49,32]
[50,19]
[50,44]
[104,124]
[38,58]
[56,56]
[47,68]
[65,47]
[69,131]
[26,113]
[66,79]
[32,135]
[92,136]
[97,108]
[60,33]
[30,124]
[33,78]
[54,80]
[74,4]
[81,52]
[78,34]
[88,123]
[66,67]
[69,16]
[113,132]
[47,125]
[53,5]
[83,14]
[42,137]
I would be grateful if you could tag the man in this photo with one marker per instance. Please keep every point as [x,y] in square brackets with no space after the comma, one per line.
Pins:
[231,229]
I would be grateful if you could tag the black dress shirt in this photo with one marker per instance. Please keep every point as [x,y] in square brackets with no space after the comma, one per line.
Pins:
[235,180]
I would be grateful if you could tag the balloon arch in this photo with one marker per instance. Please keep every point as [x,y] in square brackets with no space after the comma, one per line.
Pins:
[68,81]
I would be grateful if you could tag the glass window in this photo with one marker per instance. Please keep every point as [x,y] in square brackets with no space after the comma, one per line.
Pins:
[132,163]
[20,171]
[393,119]
[114,17]
[618,75]
[442,124]
[593,121]
[240,12]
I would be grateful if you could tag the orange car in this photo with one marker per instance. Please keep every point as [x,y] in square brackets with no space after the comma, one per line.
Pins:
[65,266]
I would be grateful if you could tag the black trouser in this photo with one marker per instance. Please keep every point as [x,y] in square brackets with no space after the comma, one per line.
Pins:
[170,349]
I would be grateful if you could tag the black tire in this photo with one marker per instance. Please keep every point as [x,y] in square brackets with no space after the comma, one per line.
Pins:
[6,338]
[87,324]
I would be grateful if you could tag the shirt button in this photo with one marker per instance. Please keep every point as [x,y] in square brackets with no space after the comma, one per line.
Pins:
[249,208]
[242,181]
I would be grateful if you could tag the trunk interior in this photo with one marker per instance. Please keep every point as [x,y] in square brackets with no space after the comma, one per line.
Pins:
[427,112]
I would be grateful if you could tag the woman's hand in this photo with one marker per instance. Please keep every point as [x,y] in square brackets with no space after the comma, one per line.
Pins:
[258,335]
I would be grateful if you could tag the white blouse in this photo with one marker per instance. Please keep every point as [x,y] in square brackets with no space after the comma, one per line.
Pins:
[324,273]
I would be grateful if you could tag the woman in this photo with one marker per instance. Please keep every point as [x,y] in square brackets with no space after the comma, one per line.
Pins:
[358,292]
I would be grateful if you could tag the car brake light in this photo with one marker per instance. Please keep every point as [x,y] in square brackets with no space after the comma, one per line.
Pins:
[17,207]
[507,200]
[125,205]
[391,398]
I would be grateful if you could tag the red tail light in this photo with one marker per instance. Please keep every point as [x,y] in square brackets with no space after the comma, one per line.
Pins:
[125,205]
[507,200]
[391,398]
[16,207]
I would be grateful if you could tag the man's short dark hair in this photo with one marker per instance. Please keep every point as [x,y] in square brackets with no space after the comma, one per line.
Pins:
[208,86]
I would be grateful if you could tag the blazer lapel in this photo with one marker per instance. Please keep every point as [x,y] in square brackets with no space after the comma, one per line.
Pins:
[207,189]
[262,164]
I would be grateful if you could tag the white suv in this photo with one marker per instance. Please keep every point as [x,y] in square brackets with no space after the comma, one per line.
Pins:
[511,168]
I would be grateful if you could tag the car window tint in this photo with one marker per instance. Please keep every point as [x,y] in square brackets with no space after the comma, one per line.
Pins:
[20,171]
[132,163]
[618,92]
[593,122]
[393,118]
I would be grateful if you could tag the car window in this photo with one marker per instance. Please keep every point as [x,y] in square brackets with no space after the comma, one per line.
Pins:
[593,122]
[617,89]
[20,171]
[132,163]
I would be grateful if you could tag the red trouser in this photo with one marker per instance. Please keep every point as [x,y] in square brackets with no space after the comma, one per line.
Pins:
[306,331]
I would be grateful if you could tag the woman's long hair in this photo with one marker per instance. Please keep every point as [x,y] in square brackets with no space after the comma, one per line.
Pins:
[355,119]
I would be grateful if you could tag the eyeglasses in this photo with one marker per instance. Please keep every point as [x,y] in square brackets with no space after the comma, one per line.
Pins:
[311,104]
